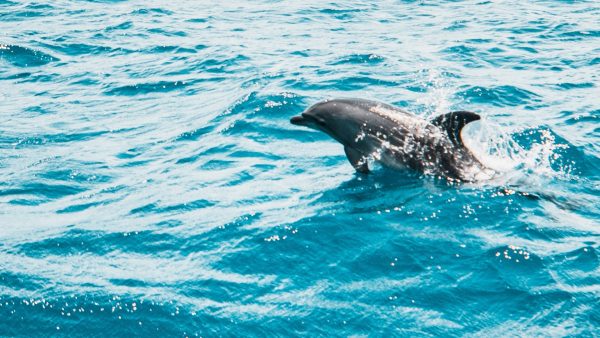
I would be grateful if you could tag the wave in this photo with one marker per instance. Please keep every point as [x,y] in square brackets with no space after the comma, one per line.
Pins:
[501,96]
[25,57]
[36,193]
[356,59]
[77,49]
[151,182]
[537,151]
[147,88]
[15,141]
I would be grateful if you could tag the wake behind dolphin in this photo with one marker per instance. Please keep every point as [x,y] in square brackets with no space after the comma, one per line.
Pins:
[397,139]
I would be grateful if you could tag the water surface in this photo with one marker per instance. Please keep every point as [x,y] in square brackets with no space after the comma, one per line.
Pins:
[151,183]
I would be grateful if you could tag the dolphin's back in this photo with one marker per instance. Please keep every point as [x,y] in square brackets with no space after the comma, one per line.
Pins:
[406,140]
[395,137]
[371,106]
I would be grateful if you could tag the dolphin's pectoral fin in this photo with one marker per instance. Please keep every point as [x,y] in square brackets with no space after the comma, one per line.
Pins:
[453,123]
[357,159]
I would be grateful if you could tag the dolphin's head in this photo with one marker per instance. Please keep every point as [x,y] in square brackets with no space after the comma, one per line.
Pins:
[337,118]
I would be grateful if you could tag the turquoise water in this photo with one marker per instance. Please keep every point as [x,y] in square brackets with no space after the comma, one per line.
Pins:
[151,183]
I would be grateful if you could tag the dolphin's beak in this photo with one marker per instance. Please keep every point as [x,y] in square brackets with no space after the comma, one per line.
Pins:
[298,120]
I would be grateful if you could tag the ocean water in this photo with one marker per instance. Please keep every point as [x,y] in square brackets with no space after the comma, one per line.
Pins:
[152,185]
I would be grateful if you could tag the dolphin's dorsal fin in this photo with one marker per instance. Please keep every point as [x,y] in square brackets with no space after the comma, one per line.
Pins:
[358,160]
[453,123]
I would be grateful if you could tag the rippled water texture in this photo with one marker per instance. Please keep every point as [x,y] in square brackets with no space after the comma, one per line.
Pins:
[151,183]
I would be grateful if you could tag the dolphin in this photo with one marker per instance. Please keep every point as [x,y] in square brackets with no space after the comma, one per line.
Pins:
[398,139]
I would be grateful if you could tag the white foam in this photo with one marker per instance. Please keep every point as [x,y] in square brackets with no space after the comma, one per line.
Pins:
[495,147]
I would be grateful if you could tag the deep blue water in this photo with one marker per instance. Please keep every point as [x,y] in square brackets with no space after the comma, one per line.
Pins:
[151,183]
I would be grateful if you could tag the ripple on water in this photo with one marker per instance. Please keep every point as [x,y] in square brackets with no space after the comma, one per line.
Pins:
[152,11]
[501,96]
[570,85]
[174,49]
[24,13]
[147,88]
[24,57]
[122,26]
[36,193]
[32,141]
[78,49]
[342,14]
[98,243]
[151,183]
[158,208]
[359,59]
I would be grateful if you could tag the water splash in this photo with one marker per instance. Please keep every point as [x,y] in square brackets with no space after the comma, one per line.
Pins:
[438,95]
[513,152]
[517,153]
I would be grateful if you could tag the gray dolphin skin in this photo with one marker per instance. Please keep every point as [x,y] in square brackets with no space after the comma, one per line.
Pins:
[397,139]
